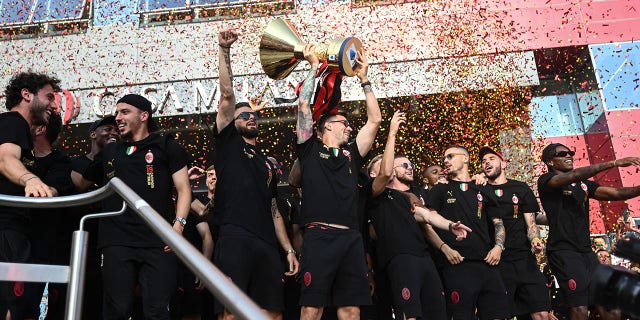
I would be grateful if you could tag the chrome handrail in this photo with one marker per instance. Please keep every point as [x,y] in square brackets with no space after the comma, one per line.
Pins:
[217,282]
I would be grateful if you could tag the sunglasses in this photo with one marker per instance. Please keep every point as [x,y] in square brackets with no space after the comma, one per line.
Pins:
[406,165]
[344,122]
[563,154]
[247,115]
[451,155]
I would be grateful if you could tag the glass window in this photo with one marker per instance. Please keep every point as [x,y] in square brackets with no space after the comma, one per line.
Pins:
[15,11]
[617,67]
[150,5]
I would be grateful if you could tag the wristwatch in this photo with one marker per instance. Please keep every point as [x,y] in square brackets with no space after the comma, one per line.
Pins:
[182,221]
[500,245]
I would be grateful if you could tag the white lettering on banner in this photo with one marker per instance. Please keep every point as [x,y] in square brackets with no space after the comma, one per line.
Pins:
[200,94]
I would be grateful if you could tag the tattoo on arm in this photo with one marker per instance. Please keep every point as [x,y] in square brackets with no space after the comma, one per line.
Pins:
[532,229]
[274,210]
[367,89]
[499,231]
[305,116]
[307,87]
[227,62]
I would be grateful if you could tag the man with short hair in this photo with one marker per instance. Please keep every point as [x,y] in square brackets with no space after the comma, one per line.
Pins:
[431,175]
[517,207]
[416,289]
[251,226]
[564,194]
[101,132]
[30,102]
[472,281]
[152,165]
[334,268]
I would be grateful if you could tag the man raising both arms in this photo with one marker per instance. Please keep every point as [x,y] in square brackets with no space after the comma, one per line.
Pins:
[334,271]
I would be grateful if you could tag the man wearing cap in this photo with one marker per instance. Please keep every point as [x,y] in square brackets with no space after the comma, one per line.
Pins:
[251,226]
[30,102]
[101,132]
[518,206]
[564,194]
[471,277]
[131,253]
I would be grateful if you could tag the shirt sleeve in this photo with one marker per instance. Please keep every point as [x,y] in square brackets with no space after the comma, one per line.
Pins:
[304,149]
[95,171]
[434,197]
[14,132]
[177,156]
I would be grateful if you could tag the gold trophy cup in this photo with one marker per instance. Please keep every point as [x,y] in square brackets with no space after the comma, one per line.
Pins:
[281,51]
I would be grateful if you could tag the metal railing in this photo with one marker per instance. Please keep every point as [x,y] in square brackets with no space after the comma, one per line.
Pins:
[216,282]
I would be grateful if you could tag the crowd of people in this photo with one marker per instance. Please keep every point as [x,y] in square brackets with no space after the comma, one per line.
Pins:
[362,239]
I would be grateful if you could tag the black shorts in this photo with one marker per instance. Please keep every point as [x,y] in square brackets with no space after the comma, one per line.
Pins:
[573,270]
[526,285]
[416,289]
[253,265]
[475,284]
[334,270]
[125,267]
[22,298]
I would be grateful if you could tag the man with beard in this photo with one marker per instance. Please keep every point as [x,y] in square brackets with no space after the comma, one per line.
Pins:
[101,132]
[30,101]
[517,207]
[472,281]
[152,165]
[564,194]
[416,289]
[334,268]
[250,224]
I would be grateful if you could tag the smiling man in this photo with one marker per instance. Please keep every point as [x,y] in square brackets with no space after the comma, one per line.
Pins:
[251,226]
[152,165]
[564,194]
[29,99]
[518,207]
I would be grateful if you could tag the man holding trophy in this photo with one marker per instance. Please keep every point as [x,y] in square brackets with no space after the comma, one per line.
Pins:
[333,270]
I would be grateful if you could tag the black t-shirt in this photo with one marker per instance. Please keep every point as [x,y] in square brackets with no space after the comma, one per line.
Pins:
[515,198]
[470,204]
[54,170]
[80,163]
[395,226]
[330,183]
[15,129]
[246,185]
[567,210]
[146,166]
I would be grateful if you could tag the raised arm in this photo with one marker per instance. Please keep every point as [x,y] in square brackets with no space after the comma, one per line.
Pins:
[587,172]
[13,169]
[227,104]
[368,132]
[183,188]
[304,126]
[386,164]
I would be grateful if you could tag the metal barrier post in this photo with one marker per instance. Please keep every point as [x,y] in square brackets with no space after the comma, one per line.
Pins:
[78,265]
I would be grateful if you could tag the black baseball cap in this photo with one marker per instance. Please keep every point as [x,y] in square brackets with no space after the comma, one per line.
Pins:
[487,150]
[102,122]
[143,104]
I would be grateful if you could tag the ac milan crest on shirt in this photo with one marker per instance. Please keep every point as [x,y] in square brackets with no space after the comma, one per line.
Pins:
[347,154]
[514,199]
[148,157]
